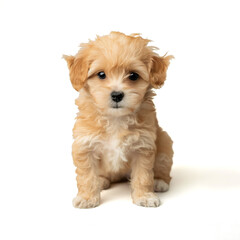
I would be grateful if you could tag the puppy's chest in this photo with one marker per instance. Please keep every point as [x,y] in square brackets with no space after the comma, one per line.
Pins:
[115,149]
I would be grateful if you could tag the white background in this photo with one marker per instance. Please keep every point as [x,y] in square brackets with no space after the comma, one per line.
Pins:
[198,106]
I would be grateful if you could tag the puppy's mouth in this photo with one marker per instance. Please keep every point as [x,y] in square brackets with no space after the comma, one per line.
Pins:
[116,105]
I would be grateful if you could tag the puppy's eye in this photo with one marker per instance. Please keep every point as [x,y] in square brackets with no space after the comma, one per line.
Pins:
[101,75]
[133,76]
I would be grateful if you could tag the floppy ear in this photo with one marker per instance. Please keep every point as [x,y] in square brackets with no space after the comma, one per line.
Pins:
[158,70]
[78,70]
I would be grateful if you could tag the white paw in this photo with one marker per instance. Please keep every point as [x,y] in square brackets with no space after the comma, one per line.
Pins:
[147,200]
[160,185]
[79,202]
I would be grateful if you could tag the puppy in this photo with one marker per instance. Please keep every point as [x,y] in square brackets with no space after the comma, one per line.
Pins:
[116,134]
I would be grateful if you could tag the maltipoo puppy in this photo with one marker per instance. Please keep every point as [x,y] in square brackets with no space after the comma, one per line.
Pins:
[116,134]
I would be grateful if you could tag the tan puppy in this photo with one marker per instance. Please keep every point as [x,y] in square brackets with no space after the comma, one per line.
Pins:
[116,134]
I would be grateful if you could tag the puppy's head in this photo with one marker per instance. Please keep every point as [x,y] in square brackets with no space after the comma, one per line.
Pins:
[117,70]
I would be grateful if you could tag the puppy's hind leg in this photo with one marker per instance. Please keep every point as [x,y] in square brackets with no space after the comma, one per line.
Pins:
[163,161]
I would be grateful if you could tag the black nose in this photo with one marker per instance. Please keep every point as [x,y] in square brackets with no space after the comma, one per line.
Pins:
[117,96]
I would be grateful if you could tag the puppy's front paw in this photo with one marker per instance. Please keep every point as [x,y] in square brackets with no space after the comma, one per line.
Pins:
[160,185]
[147,200]
[80,202]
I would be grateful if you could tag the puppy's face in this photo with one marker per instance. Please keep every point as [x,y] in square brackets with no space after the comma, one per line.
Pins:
[117,70]
[117,90]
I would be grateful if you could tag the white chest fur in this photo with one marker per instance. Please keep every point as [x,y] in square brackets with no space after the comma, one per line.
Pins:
[120,140]
[114,152]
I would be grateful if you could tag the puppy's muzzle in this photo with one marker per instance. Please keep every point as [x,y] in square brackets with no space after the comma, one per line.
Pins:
[117,96]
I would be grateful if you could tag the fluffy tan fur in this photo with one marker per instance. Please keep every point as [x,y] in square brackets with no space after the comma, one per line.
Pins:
[112,144]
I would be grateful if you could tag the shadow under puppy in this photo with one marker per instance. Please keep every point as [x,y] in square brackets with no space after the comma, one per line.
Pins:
[116,134]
